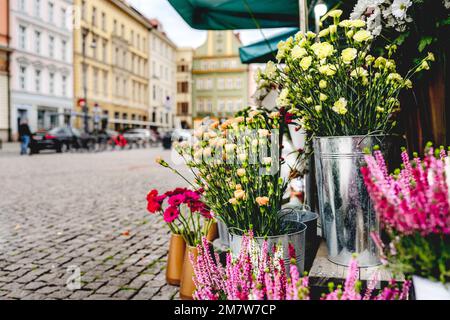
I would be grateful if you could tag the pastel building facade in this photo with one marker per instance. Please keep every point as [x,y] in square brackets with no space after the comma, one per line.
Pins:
[184,86]
[220,80]
[111,64]
[4,71]
[162,75]
[41,63]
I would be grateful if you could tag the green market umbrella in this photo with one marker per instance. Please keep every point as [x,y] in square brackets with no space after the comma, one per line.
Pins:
[238,14]
[264,50]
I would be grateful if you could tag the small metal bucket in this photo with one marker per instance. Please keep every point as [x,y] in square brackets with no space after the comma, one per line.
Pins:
[346,212]
[224,235]
[309,218]
[296,238]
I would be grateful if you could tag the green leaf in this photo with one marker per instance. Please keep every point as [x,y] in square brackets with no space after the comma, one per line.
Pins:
[444,22]
[424,42]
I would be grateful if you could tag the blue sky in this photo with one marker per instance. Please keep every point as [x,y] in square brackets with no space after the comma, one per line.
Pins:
[179,31]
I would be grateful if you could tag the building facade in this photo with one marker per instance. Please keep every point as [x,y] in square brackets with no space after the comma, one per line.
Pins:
[4,71]
[110,65]
[184,86]
[162,73]
[220,80]
[41,64]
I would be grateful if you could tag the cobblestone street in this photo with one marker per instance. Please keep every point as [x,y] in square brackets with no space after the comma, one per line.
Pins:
[60,212]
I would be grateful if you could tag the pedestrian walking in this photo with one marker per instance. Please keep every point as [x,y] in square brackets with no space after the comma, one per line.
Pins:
[24,136]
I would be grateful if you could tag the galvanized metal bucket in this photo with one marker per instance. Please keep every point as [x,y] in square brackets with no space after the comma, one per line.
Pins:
[296,238]
[224,235]
[346,212]
[309,218]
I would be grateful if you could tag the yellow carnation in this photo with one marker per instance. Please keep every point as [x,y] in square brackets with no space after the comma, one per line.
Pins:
[305,63]
[362,35]
[340,106]
[298,52]
[322,49]
[349,54]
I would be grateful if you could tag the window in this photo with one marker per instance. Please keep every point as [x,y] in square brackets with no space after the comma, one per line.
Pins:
[64,86]
[51,46]
[51,6]
[238,83]
[220,83]
[37,81]
[117,86]
[154,93]
[95,80]
[229,83]
[221,105]
[183,108]
[22,37]
[200,105]
[138,41]
[51,83]
[230,106]
[104,51]
[123,31]
[64,50]
[239,105]
[209,84]
[183,87]
[199,84]
[94,16]
[63,18]
[37,8]
[103,21]
[22,77]
[105,83]
[115,26]
[132,37]
[37,41]
[124,88]
[94,47]
[22,5]
[209,106]
[83,9]
[117,56]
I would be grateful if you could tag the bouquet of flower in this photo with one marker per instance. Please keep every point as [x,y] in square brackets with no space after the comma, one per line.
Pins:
[413,206]
[185,213]
[237,164]
[333,85]
[400,21]
[258,275]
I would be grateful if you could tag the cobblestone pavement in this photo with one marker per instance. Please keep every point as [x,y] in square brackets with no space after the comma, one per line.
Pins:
[60,212]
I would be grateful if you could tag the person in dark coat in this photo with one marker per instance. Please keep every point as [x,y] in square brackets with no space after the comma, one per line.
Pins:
[24,136]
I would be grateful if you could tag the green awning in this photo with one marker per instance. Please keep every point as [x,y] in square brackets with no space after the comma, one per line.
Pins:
[264,50]
[238,14]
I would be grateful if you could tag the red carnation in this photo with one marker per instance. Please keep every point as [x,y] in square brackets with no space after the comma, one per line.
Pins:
[154,201]
[171,214]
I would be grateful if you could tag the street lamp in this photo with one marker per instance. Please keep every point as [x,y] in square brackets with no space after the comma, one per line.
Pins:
[319,10]
[85,106]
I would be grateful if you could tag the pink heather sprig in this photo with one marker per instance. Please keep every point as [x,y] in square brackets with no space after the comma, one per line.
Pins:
[415,199]
[242,279]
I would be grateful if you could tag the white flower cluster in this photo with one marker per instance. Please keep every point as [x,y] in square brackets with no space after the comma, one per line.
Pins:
[380,14]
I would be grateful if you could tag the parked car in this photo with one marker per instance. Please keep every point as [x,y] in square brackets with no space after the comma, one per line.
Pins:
[60,139]
[181,135]
[139,137]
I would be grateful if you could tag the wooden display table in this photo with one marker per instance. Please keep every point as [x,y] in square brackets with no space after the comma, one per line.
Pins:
[323,270]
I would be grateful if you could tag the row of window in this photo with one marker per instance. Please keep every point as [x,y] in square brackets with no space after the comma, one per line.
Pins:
[222,83]
[207,105]
[53,47]
[25,7]
[57,83]
[162,72]
[162,48]
[139,91]
[218,64]
[136,39]
[161,95]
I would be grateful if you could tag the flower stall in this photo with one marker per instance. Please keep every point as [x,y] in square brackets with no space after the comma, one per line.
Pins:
[344,94]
